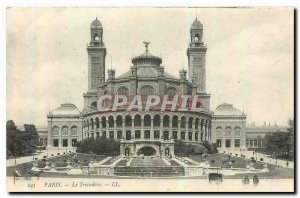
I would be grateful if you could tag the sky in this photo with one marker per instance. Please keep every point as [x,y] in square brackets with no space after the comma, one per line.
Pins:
[249,61]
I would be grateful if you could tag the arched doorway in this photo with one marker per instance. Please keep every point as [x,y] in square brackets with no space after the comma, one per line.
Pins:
[127,152]
[167,152]
[147,151]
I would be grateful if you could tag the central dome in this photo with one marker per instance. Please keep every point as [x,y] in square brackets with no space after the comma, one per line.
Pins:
[146,59]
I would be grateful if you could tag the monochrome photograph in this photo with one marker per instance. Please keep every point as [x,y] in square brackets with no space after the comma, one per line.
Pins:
[150,99]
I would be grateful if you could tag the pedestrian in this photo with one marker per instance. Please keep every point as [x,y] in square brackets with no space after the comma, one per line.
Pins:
[255,179]
[246,180]
[287,164]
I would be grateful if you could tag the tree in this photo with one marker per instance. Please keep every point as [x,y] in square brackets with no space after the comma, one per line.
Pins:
[186,149]
[99,146]
[277,143]
[11,143]
[18,142]
[291,135]
[199,150]
[31,137]
[179,148]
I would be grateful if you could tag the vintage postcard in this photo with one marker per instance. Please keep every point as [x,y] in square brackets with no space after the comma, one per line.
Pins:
[144,99]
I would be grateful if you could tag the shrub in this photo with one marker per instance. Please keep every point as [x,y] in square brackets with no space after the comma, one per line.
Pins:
[99,146]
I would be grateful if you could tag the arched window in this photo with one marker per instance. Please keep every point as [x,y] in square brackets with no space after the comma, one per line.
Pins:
[96,37]
[103,121]
[137,120]
[166,121]
[190,122]
[197,123]
[97,123]
[119,121]
[251,143]
[183,120]
[171,91]
[128,120]
[92,123]
[147,120]
[55,130]
[202,124]
[123,91]
[175,121]
[156,121]
[64,131]
[111,122]
[147,90]
[74,130]
[219,131]
[259,141]
[237,131]
[197,37]
[94,104]
[228,131]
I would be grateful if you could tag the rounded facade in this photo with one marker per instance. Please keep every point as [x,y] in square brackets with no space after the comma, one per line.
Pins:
[154,128]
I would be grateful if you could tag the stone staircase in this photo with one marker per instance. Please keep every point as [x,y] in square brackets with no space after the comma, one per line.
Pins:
[149,167]
[149,171]
[147,161]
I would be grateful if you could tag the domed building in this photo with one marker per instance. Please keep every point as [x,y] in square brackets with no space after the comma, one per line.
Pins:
[140,130]
[229,127]
[64,126]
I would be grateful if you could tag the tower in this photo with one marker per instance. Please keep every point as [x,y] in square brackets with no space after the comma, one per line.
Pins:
[196,53]
[96,56]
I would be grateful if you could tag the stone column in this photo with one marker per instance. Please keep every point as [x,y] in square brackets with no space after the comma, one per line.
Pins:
[179,130]
[151,131]
[50,134]
[193,131]
[115,128]
[107,129]
[123,126]
[161,133]
[122,149]
[60,137]
[187,129]
[142,128]
[132,128]
[69,136]
[170,128]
